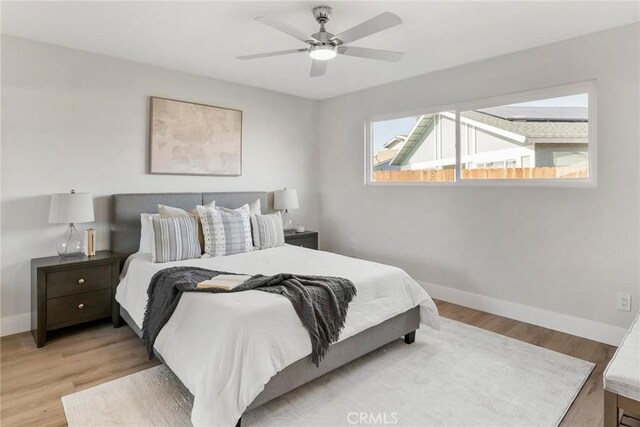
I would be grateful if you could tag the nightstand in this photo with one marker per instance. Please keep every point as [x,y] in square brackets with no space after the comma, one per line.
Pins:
[68,291]
[306,239]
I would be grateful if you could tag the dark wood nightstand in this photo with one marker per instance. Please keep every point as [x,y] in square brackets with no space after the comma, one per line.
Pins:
[68,291]
[306,239]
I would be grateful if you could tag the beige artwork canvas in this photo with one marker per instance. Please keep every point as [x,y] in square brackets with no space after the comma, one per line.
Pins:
[194,139]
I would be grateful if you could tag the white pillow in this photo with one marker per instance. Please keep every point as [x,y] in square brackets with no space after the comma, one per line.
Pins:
[226,231]
[254,208]
[146,233]
[166,211]
[174,238]
[169,211]
[268,231]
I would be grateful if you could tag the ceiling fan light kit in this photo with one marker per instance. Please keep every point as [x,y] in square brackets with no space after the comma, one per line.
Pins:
[323,45]
[323,53]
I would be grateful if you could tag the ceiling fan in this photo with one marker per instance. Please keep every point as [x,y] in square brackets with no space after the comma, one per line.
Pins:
[323,45]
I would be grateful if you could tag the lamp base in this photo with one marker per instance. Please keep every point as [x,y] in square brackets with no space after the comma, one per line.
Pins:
[70,244]
[287,221]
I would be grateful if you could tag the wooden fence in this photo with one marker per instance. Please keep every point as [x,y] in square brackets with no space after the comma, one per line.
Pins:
[448,175]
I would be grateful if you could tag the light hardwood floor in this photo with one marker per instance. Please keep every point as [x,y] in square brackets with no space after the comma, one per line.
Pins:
[33,380]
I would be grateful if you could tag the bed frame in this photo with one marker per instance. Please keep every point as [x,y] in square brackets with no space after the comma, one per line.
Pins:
[125,237]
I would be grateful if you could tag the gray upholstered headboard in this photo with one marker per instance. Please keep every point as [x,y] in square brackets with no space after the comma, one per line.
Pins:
[126,210]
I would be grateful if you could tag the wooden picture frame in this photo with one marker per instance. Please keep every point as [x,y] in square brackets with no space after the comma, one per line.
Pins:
[187,138]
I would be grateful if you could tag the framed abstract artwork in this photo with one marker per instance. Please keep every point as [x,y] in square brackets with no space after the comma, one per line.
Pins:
[194,139]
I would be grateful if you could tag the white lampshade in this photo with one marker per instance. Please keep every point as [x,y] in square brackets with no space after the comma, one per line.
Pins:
[71,207]
[285,199]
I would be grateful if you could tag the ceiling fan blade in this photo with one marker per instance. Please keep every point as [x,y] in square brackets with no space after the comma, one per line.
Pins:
[318,68]
[365,52]
[372,26]
[267,54]
[284,27]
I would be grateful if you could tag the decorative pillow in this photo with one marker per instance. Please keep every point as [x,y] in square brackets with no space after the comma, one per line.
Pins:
[175,239]
[254,208]
[169,211]
[146,233]
[268,231]
[226,231]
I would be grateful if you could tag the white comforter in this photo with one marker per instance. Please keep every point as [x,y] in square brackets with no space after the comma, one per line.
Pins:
[226,347]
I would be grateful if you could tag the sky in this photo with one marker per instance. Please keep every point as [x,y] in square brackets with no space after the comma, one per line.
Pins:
[383,131]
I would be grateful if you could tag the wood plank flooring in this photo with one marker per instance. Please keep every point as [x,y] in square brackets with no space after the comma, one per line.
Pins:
[33,380]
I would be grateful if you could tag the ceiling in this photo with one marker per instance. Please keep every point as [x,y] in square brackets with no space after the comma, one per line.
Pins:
[205,37]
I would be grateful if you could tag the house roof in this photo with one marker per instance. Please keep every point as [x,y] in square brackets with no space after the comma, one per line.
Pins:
[532,129]
[540,114]
[540,128]
[414,138]
[394,141]
[383,156]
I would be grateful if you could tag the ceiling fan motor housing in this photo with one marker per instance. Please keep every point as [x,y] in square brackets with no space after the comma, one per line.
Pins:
[323,37]
[322,14]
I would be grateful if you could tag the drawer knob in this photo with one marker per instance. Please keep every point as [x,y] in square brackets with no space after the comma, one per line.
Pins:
[81,281]
[80,306]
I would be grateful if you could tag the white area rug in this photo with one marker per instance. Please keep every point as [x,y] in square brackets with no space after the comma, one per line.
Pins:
[461,375]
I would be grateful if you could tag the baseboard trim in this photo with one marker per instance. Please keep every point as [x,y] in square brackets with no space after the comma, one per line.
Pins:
[572,325]
[15,324]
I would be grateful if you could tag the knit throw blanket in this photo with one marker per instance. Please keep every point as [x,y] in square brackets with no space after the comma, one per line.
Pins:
[321,302]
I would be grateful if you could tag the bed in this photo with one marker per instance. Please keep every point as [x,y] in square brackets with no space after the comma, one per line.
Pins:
[260,349]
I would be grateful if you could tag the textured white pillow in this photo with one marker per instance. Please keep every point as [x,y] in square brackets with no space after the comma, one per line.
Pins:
[175,238]
[146,233]
[268,231]
[226,231]
[169,212]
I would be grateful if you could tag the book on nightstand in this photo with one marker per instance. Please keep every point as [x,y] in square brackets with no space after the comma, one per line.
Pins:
[90,242]
[224,281]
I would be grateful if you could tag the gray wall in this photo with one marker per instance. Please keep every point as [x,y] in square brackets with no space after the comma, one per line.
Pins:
[78,120]
[560,249]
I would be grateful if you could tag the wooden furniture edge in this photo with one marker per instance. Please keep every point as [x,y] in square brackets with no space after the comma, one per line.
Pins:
[613,402]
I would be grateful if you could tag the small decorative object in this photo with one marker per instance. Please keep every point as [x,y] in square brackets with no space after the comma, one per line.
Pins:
[285,200]
[70,208]
[90,242]
[194,139]
[299,229]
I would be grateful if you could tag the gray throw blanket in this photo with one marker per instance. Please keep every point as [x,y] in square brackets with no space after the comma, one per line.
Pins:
[320,302]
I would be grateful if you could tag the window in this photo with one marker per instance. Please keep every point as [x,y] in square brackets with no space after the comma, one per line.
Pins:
[415,149]
[537,136]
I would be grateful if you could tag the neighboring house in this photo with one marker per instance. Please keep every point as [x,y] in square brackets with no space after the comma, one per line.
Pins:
[510,136]
[382,159]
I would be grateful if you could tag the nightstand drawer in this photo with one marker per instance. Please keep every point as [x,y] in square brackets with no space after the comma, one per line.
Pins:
[65,311]
[84,279]
[306,242]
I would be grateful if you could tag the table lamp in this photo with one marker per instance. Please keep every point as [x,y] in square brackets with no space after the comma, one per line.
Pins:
[285,200]
[70,208]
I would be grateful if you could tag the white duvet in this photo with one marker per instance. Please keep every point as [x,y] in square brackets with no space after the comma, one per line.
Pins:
[226,347]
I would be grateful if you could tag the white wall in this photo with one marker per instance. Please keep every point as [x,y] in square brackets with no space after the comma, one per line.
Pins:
[78,120]
[561,250]
[552,253]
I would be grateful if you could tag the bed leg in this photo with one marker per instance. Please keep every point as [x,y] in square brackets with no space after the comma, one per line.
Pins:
[410,337]
[610,409]
[239,423]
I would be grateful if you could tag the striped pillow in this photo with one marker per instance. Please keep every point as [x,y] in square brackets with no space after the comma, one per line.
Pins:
[226,231]
[175,239]
[268,231]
